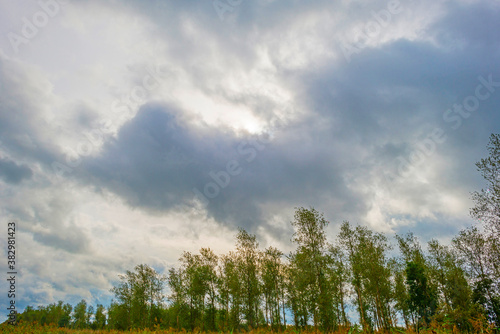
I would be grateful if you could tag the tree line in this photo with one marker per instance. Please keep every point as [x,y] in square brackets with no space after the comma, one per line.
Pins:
[321,284]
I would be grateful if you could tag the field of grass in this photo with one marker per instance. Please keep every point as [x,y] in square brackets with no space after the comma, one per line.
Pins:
[25,328]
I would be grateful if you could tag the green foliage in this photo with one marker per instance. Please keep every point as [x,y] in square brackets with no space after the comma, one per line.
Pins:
[57,314]
[479,247]
[422,299]
[445,268]
[309,267]
[484,294]
[99,318]
[138,293]
[401,296]
[272,277]
[487,201]
[247,255]
[370,274]
[80,318]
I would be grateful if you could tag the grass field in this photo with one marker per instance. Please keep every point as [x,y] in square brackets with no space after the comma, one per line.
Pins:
[38,329]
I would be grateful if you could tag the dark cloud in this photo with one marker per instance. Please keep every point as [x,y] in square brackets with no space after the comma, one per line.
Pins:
[470,25]
[69,239]
[157,160]
[12,172]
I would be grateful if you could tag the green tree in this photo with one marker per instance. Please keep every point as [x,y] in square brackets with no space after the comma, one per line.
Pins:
[371,275]
[194,288]
[80,317]
[339,281]
[178,297]
[247,252]
[411,251]
[452,286]
[473,248]
[30,315]
[272,285]
[99,318]
[310,263]
[139,293]
[230,291]
[209,262]
[349,240]
[401,297]
[487,201]
[421,297]
[298,289]
[378,274]
[118,316]
[485,246]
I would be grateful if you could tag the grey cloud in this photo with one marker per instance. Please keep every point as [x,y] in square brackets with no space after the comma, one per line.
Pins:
[69,239]
[157,160]
[26,136]
[45,212]
[24,131]
[12,172]
[473,23]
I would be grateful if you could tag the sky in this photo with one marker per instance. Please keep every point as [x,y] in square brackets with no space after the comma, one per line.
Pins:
[131,131]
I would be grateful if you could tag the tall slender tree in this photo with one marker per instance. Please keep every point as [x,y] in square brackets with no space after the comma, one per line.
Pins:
[80,317]
[209,262]
[485,245]
[272,280]
[178,296]
[371,275]
[487,201]
[452,286]
[349,241]
[422,297]
[339,282]
[473,248]
[311,262]
[247,252]
[230,291]
[99,318]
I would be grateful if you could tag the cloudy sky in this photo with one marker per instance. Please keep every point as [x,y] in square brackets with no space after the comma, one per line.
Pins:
[134,130]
